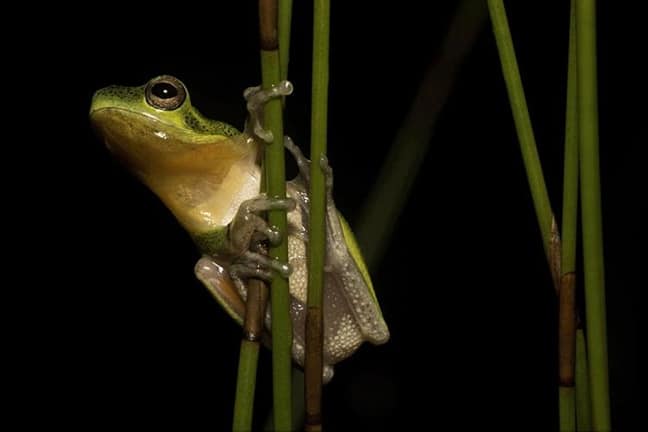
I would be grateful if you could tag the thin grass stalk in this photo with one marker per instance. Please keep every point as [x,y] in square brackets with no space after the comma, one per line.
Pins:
[317,229]
[583,399]
[245,386]
[285,18]
[567,294]
[570,180]
[567,408]
[249,355]
[297,402]
[517,100]
[276,187]
[407,152]
[591,215]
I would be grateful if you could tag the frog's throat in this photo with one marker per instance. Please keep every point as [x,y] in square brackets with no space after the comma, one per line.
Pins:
[203,202]
[202,179]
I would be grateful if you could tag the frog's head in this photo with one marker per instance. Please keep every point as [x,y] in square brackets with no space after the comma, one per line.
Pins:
[153,123]
[180,154]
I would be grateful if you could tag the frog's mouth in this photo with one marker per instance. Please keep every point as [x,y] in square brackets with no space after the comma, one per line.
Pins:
[193,174]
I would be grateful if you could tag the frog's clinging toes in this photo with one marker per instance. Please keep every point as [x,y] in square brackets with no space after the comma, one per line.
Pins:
[208,174]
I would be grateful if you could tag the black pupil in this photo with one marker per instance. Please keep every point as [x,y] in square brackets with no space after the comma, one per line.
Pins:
[164,90]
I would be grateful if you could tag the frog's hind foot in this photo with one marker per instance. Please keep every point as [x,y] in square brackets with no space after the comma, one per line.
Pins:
[247,226]
[303,164]
[256,98]
[257,266]
[246,233]
[328,175]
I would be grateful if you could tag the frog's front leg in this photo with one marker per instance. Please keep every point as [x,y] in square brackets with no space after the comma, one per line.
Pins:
[256,98]
[241,250]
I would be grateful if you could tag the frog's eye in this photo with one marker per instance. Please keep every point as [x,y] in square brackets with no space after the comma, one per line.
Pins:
[165,92]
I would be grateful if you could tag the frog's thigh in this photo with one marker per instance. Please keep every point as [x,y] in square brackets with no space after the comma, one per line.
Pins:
[217,280]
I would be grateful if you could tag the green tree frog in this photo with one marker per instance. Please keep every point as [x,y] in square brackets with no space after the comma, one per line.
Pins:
[209,175]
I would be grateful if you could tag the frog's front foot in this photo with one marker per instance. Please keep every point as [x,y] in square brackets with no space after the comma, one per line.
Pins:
[256,98]
[246,234]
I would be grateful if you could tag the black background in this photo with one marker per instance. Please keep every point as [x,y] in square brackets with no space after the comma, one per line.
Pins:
[131,339]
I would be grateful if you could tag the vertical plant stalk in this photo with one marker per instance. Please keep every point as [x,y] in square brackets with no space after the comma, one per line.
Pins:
[285,18]
[249,355]
[567,293]
[544,214]
[276,187]
[407,152]
[583,399]
[591,214]
[567,408]
[317,230]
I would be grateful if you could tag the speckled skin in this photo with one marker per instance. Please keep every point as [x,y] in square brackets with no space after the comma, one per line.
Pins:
[204,171]
[186,117]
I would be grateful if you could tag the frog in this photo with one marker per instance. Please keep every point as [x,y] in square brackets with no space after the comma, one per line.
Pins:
[208,174]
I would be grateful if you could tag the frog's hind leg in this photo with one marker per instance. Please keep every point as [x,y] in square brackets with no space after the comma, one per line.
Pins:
[214,276]
[245,235]
[247,225]
[257,266]
[216,279]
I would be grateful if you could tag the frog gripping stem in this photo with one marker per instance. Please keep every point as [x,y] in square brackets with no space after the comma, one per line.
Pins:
[245,233]
[256,98]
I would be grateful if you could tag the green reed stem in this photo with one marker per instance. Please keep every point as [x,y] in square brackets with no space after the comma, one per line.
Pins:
[523,126]
[567,408]
[276,188]
[570,180]
[285,17]
[317,232]
[567,294]
[583,398]
[245,386]
[591,214]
